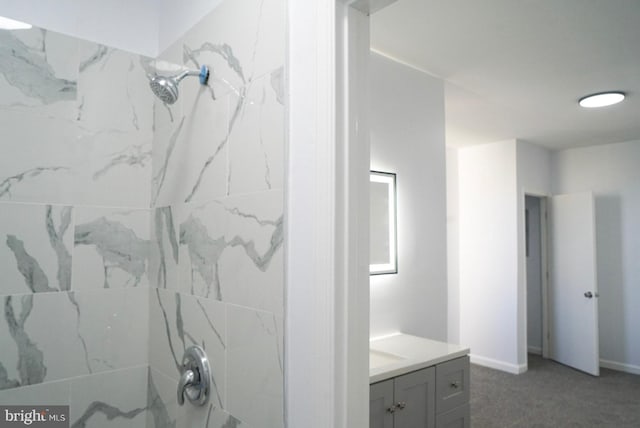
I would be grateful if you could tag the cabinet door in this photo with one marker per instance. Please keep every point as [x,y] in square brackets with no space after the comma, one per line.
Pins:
[460,417]
[380,403]
[415,399]
[452,379]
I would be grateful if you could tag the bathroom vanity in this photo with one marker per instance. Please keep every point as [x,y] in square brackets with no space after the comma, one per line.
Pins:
[418,383]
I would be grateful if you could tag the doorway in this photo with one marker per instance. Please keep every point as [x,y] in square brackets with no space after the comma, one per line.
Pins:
[561,286]
[537,274]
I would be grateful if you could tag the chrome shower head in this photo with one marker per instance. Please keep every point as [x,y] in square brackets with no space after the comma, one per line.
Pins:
[166,88]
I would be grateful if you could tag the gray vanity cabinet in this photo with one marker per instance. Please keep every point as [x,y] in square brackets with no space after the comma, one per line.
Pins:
[434,397]
[406,401]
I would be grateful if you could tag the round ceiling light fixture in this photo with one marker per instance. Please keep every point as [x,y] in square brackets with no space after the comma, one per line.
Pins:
[601,99]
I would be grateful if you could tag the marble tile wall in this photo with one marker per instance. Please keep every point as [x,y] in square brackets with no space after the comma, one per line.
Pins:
[130,229]
[217,219]
[77,121]
[75,179]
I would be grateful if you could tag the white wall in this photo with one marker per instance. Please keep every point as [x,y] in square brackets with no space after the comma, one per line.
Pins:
[488,253]
[491,209]
[612,173]
[176,17]
[453,250]
[146,27]
[125,24]
[493,180]
[407,137]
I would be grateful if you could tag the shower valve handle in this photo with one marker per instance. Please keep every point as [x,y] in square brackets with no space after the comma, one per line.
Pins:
[186,380]
[195,377]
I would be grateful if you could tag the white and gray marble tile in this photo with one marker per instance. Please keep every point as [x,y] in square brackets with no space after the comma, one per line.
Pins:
[256,142]
[169,122]
[163,264]
[164,411]
[112,170]
[77,120]
[104,140]
[239,40]
[39,340]
[210,172]
[53,336]
[115,399]
[115,127]
[190,147]
[231,250]
[178,321]
[252,48]
[162,404]
[36,242]
[113,91]
[39,71]
[210,416]
[111,248]
[38,88]
[36,157]
[48,393]
[113,327]
[255,373]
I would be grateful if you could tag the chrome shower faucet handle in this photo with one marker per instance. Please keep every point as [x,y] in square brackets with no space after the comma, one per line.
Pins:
[195,377]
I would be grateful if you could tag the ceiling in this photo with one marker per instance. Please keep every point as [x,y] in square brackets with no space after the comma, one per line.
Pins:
[516,68]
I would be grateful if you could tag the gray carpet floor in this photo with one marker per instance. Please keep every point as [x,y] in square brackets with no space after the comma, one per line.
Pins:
[552,395]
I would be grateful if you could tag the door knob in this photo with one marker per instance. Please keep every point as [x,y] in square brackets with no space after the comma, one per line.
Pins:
[588,294]
[195,377]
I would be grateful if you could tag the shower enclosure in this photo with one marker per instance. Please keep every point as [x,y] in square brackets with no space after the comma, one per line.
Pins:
[132,229]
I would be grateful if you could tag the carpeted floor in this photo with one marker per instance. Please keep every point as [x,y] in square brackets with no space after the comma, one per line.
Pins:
[555,396]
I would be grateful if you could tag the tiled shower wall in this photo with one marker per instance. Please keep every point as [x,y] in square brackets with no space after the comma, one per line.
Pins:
[130,229]
[75,170]
[217,198]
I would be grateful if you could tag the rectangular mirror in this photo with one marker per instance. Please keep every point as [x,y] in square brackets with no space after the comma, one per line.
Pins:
[383,257]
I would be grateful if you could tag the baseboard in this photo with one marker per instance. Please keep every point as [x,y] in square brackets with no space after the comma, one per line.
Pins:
[622,367]
[534,350]
[519,369]
[498,365]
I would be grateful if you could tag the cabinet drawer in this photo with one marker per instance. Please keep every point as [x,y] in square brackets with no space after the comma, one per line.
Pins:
[460,417]
[452,384]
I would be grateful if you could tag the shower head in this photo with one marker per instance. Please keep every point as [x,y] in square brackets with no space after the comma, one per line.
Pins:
[166,88]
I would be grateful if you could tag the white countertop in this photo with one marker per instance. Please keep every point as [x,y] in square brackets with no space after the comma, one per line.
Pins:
[397,354]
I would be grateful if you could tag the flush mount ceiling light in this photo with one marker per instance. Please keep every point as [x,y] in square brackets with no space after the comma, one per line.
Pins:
[601,99]
[10,24]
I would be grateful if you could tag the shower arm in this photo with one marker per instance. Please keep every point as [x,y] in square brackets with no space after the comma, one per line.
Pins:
[186,73]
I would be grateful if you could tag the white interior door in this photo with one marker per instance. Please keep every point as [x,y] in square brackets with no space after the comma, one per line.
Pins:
[573,293]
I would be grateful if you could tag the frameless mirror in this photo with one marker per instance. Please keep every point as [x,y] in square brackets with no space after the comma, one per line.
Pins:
[383,256]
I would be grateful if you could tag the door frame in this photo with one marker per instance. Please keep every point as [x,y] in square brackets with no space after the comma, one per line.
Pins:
[326,339]
[544,267]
